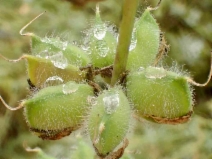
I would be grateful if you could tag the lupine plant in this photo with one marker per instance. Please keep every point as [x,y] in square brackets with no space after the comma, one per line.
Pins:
[104,84]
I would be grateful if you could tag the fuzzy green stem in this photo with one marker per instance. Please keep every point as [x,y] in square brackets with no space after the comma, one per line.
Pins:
[125,33]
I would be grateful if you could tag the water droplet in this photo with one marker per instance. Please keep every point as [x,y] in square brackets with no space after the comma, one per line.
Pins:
[112,29]
[59,60]
[154,72]
[111,102]
[133,40]
[54,80]
[100,28]
[86,42]
[56,42]
[102,48]
[100,31]
[44,54]
[65,44]
[56,58]
[70,87]
[91,100]
[85,47]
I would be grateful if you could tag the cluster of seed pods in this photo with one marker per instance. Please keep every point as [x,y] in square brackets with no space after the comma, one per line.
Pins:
[71,85]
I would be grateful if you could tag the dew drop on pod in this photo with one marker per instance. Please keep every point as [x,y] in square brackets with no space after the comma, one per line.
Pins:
[61,53]
[160,95]
[102,43]
[109,121]
[145,42]
[56,111]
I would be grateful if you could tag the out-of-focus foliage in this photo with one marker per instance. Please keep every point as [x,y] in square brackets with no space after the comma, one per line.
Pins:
[188,29]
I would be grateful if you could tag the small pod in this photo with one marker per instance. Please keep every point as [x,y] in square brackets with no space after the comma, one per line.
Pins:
[102,44]
[109,121]
[60,52]
[39,70]
[160,95]
[146,39]
[51,47]
[56,111]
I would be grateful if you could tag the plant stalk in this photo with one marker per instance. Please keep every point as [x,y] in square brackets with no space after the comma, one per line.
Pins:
[125,33]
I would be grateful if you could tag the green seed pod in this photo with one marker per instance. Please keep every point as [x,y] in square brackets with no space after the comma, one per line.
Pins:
[102,44]
[56,111]
[51,47]
[39,70]
[145,42]
[56,49]
[109,121]
[164,96]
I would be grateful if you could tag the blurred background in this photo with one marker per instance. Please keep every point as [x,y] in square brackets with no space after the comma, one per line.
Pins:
[187,26]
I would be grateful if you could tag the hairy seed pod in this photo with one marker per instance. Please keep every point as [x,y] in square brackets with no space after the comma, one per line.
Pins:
[161,95]
[39,70]
[102,44]
[109,121]
[51,47]
[61,53]
[56,111]
[146,39]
